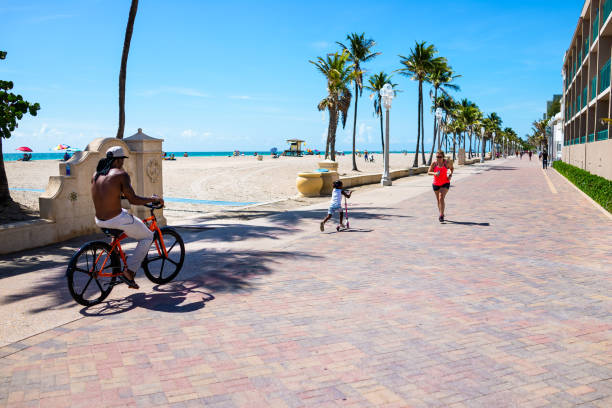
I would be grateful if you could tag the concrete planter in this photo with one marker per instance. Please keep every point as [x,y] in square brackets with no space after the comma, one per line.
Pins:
[329,165]
[328,182]
[309,184]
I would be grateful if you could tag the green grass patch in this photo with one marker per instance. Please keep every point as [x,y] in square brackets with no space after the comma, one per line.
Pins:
[598,188]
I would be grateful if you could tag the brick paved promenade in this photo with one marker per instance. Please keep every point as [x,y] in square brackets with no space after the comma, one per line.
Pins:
[506,305]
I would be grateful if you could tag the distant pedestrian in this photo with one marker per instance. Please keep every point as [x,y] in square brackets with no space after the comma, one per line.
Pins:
[371,157]
[336,203]
[366,155]
[544,159]
[530,154]
[442,172]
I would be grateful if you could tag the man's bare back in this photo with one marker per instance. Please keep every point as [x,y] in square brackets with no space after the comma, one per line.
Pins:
[106,193]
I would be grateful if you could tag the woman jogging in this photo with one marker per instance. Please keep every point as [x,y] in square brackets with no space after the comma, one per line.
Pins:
[442,172]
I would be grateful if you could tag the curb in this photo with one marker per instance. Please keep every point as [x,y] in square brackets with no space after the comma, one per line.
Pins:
[595,203]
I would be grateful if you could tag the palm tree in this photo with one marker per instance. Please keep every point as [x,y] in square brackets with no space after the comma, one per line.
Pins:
[447,104]
[470,116]
[359,52]
[492,124]
[417,67]
[124,58]
[539,132]
[511,137]
[339,75]
[376,82]
[440,78]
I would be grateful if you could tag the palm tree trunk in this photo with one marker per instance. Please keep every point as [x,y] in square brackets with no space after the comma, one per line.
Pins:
[5,195]
[124,58]
[435,133]
[470,149]
[416,152]
[355,125]
[422,133]
[332,146]
[454,146]
[329,129]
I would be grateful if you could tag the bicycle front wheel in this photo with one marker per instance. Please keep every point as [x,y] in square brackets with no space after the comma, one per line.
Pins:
[85,283]
[162,268]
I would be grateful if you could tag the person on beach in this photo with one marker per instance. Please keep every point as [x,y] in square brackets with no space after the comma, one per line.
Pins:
[108,184]
[336,203]
[530,154]
[442,172]
[544,159]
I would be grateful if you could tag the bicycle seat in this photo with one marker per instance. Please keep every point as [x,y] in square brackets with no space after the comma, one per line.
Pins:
[111,232]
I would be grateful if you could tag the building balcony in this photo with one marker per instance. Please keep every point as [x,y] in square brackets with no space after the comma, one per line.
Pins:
[602,135]
[604,77]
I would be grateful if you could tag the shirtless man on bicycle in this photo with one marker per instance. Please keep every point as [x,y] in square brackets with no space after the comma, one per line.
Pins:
[108,184]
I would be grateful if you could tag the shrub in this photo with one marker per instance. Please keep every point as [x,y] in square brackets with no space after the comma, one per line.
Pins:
[598,188]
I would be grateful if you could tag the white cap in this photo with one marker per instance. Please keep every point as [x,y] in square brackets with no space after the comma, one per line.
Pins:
[116,152]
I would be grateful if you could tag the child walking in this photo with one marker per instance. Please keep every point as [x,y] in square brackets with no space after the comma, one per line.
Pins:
[336,203]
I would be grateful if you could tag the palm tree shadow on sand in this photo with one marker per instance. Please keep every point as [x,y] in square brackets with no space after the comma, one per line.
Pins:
[478,224]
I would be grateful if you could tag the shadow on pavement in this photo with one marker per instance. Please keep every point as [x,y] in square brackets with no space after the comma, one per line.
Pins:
[501,168]
[480,224]
[214,270]
[47,257]
[176,297]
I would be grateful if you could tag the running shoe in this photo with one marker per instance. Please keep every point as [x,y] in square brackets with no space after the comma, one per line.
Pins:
[441,218]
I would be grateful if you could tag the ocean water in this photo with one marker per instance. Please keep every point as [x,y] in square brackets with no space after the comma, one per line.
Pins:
[59,156]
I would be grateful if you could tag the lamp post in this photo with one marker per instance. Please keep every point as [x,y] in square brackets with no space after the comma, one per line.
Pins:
[483,141]
[439,113]
[387,95]
[493,147]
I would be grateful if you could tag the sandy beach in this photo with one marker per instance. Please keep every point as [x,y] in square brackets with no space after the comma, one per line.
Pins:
[241,179]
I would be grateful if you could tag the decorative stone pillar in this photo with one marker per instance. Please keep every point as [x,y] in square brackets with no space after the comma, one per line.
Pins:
[461,157]
[146,155]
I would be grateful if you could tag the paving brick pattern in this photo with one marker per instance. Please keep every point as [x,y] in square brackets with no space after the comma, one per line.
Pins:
[506,305]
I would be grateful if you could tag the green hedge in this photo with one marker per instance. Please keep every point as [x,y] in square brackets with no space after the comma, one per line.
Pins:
[598,188]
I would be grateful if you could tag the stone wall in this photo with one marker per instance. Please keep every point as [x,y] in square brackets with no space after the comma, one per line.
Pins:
[594,157]
[66,207]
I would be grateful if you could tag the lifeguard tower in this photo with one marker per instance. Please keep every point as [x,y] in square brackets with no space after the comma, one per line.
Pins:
[295,148]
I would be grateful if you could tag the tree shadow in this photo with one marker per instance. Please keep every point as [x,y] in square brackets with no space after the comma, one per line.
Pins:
[493,167]
[479,224]
[175,297]
[50,256]
[236,232]
[211,270]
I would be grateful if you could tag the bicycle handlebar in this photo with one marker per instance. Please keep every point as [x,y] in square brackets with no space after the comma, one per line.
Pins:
[154,206]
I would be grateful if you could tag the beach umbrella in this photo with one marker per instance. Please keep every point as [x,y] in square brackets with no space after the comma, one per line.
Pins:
[61,147]
[24,149]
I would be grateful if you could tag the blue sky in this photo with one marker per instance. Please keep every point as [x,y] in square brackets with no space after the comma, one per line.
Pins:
[214,76]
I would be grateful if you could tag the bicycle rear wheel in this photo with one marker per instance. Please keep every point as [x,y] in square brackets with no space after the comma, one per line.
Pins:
[85,284]
[160,268]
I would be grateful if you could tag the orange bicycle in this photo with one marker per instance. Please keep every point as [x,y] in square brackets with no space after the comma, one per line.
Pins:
[93,270]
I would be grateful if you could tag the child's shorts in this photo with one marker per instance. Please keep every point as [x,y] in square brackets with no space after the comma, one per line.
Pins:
[333,208]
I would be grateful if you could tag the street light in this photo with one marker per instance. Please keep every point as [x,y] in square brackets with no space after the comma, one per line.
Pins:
[483,141]
[493,147]
[439,113]
[387,95]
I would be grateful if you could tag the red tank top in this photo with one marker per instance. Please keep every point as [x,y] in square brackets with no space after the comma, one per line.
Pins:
[443,177]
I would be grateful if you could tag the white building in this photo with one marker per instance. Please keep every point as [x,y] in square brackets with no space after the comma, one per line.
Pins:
[555,137]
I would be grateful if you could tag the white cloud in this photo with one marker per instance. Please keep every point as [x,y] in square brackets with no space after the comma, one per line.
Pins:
[319,44]
[174,90]
[190,134]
